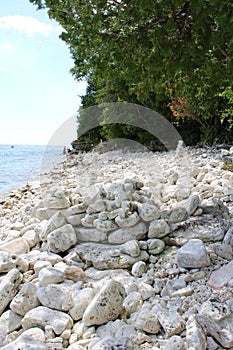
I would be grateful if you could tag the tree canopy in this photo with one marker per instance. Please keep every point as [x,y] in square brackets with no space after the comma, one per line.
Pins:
[155,53]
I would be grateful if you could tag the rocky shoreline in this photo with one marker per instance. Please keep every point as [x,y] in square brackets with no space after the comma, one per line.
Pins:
[120,251]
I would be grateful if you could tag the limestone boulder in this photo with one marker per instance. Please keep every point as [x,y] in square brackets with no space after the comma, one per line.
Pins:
[106,305]
[193,255]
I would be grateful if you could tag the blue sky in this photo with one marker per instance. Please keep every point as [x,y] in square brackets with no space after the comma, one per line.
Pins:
[37,92]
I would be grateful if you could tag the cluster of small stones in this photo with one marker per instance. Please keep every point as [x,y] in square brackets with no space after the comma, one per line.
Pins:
[120,251]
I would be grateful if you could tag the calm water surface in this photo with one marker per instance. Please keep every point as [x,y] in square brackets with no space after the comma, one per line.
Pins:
[21,164]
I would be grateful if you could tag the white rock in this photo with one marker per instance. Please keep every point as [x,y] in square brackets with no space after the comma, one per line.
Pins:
[90,235]
[146,290]
[138,268]
[110,328]
[57,201]
[62,239]
[16,246]
[106,305]
[39,265]
[123,235]
[132,303]
[75,220]
[148,212]
[175,343]
[192,204]
[78,208]
[10,321]
[25,299]
[56,221]
[55,296]
[127,220]
[81,299]
[158,229]
[8,287]
[96,207]
[147,321]
[155,246]
[7,261]
[195,336]
[171,322]
[131,248]
[32,237]
[31,339]
[42,316]
[88,220]
[49,275]
[193,255]
[105,225]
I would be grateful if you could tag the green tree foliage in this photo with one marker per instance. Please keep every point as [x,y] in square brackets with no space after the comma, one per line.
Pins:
[153,52]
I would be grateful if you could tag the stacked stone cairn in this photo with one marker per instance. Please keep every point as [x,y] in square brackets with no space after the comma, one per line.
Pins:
[128,266]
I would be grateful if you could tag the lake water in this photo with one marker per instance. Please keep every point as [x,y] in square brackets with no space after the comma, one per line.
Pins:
[21,164]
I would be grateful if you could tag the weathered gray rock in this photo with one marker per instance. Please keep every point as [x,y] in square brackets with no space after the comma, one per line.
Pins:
[171,322]
[107,257]
[104,225]
[126,234]
[175,215]
[127,220]
[25,299]
[88,220]
[158,228]
[111,343]
[62,239]
[220,277]
[146,320]
[228,239]
[132,303]
[192,204]
[222,331]
[131,248]
[155,246]
[81,299]
[42,316]
[56,221]
[193,255]
[90,235]
[225,251]
[55,296]
[106,305]
[8,287]
[148,212]
[31,339]
[96,207]
[175,343]
[76,219]
[49,275]
[195,336]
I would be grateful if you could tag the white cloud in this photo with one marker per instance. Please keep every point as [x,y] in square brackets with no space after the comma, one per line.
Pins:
[3,69]
[6,45]
[29,25]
